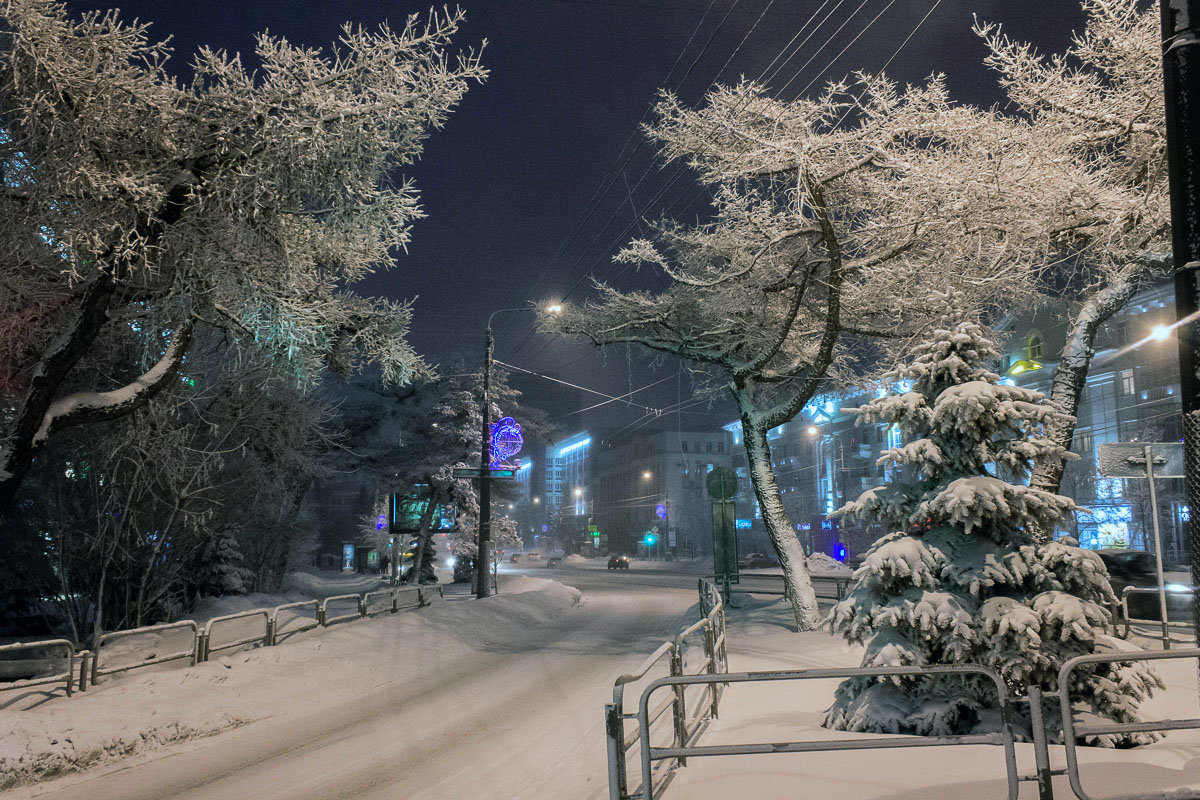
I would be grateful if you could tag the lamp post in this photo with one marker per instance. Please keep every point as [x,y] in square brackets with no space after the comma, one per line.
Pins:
[483,554]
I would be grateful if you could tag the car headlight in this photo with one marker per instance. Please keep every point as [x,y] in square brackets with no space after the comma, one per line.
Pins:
[450,562]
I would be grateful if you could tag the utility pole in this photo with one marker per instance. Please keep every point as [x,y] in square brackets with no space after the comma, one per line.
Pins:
[1181,86]
[483,555]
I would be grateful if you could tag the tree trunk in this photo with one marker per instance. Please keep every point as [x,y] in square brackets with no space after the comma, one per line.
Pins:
[787,546]
[424,533]
[1070,377]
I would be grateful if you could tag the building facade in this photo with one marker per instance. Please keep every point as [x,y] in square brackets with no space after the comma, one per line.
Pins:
[822,459]
[650,495]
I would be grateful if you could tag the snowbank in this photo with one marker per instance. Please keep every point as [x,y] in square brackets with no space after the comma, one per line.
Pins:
[575,558]
[821,564]
[317,584]
[133,712]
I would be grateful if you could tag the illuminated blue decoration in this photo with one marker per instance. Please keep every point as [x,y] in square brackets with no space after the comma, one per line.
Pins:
[381,523]
[839,551]
[660,511]
[506,440]
[545,528]
[742,524]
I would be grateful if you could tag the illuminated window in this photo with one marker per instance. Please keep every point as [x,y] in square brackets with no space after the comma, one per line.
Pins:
[1033,349]
[1128,385]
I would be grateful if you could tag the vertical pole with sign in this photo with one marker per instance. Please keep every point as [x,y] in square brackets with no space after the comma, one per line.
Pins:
[722,486]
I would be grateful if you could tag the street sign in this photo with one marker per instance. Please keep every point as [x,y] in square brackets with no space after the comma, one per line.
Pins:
[1128,459]
[721,483]
[492,474]
[1149,460]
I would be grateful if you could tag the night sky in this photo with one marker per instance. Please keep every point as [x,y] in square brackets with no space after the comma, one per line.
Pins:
[509,183]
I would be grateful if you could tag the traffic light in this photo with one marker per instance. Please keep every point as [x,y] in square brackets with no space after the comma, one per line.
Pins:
[650,539]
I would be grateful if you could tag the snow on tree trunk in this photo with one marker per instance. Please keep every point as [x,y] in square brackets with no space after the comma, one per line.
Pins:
[961,580]
[1070,376]
[783,538]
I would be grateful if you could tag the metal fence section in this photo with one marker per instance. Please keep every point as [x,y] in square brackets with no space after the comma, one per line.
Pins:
[272,626]
[1072,730]
[378,602]
[285,629]
[1127,618]
[107,638]
[834,587]
[23,665]
[327,620]
[686,724]
[650,754]
[257,636]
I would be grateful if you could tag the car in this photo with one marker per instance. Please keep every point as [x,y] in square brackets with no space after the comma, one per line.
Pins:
[553,561]
[1137,568]
[756,561]
[618,562]
[514,558]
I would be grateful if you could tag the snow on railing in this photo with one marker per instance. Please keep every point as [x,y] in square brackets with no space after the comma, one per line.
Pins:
[121,651]
[686,727]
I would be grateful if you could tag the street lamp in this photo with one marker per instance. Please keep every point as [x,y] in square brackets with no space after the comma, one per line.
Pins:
[483,552]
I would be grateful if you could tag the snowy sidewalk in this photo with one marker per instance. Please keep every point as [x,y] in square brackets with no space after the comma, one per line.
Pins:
[792,711]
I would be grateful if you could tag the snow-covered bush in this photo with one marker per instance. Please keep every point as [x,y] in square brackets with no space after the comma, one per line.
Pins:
[960,580]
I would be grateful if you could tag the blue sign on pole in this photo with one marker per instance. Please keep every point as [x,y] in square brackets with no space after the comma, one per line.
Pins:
[506,440]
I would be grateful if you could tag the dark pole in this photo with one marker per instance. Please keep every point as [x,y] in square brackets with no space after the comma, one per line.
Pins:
[1181,85]
[483,566]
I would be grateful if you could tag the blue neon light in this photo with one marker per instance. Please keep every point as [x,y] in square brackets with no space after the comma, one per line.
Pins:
[742,524]
[381,523]
[506,440]
[573,447]
[660,511]
[839,552]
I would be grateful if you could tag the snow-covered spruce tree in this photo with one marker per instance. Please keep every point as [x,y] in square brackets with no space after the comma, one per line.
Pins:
[960,580]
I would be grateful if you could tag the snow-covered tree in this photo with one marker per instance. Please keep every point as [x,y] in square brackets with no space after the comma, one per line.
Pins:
[1096,142]
[241,200]
[832,218]
[960,580]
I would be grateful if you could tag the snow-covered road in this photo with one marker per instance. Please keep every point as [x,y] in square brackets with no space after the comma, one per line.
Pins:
[517,714]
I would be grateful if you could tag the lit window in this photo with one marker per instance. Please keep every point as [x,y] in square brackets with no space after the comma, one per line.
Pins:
[1127,383]
[1033,350]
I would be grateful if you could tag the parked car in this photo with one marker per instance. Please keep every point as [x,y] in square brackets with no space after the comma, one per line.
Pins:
[756,560]
[515,557]
[553,561]
[618,562]
[1137,568]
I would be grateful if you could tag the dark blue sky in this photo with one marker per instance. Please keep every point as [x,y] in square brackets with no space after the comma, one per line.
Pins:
[508,184]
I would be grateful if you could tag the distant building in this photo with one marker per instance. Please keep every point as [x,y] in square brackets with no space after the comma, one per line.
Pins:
[650,487]
[822,460]
[1132,395]
[568,490]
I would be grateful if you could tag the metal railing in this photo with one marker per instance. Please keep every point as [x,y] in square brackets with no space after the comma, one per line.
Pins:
[281,631]
[680,752]
[191,653]
[206,637]
[1072,730]
[94,664]
[686,724]
[327,620]
[1127,619]
[66,678]
[838,584]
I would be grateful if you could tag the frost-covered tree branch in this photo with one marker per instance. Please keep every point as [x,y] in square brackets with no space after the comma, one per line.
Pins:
[249,197]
